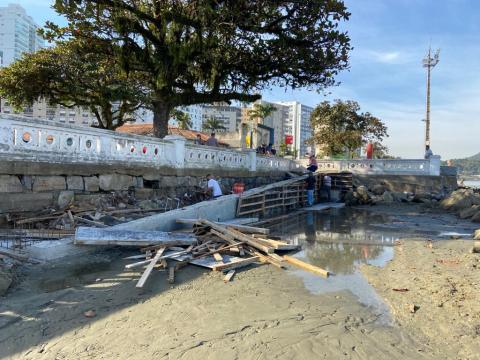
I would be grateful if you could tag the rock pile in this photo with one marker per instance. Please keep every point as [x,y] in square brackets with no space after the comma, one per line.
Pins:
[464,202]
[378,194]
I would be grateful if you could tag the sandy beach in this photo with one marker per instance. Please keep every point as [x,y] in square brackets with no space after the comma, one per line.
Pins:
[264,313]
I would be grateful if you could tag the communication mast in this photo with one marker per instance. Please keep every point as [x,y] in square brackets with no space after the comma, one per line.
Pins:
[429,62]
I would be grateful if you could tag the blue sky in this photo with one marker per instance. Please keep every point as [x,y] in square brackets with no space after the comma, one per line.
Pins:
[390,38]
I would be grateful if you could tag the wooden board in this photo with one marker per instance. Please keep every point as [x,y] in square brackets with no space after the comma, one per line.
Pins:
[171,275]
[305,266]
[324,206]
[149,268]
[240,227]
[235,264]
[229,276]
[95,236]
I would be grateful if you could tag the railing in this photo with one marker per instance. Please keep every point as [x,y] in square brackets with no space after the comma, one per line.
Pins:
[40,140]
[382,166]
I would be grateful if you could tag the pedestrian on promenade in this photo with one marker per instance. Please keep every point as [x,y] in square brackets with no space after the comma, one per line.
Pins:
[198,140]
[212,141]
[312,164]
[428,152]
[327,186]
[213,190]
[310,182]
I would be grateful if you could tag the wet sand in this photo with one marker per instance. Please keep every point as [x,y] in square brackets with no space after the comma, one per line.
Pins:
[443,282]
[264,313]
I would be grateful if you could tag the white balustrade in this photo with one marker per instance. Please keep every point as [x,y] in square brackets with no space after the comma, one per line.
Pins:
[383,166]
[40,140]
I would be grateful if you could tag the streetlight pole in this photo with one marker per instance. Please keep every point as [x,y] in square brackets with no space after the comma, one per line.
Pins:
[429,62]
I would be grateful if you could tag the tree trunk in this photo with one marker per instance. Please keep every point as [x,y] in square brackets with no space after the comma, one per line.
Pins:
[161,114]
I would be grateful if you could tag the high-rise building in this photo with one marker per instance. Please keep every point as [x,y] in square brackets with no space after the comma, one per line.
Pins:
[18,34]
[277,121]
[298,125]
[231,116]
[58,113]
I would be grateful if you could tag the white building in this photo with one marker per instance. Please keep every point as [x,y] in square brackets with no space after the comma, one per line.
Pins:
[195,112]
[231,116]
[58,113]
[298,125]
[18,34]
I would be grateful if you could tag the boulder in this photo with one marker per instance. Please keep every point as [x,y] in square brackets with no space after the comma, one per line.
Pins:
[75,183]
[350,199]
[362,194]
[48,183]
[378,189]
[115,182]
[476,235]
[467,213]
[400,196]
[476,217]
[65,198]
[460,199]
[387,197]
[91,183]
[10,184]
[421,196]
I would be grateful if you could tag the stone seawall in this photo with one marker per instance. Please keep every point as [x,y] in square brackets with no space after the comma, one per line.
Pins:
[19,193]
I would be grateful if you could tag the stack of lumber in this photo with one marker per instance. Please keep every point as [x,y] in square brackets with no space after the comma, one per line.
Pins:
[222,247]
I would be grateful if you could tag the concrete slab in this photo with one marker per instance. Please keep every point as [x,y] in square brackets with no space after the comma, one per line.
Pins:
[324,206]
[55,249]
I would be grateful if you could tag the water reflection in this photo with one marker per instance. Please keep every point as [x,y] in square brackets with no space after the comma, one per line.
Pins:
[339,241]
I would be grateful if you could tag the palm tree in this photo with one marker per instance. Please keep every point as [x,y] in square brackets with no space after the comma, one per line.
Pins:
[213,124]
[261,111]
[182,118]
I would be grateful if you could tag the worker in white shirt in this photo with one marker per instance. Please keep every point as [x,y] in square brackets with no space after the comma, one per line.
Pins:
[213,187]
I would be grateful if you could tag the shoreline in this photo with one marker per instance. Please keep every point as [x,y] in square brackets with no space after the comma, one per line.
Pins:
[263,313]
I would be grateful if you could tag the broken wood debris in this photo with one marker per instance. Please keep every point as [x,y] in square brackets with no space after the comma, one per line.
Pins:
[216,246]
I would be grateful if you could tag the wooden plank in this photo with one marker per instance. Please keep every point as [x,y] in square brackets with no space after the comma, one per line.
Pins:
[238,235]
[217,256]
[236,264]
[240,227]
[149,268]
[95,236]
[305,266]
[229,276]
[171,274]
[89,222]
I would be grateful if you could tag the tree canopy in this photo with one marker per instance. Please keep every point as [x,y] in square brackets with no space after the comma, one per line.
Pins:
[339,126]
[202,51]
[182,118]
[213,124]
[260,112]
[74,74]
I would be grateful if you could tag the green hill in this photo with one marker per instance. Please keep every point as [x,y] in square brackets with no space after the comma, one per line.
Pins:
[468,166]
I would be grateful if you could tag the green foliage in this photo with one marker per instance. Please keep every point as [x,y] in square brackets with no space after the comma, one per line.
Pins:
[340,126]
[194,51]
[213,124]
[182,118]
[467,166]
[260,112]
[73,74]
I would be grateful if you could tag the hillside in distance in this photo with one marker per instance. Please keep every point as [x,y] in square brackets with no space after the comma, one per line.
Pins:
[468,166]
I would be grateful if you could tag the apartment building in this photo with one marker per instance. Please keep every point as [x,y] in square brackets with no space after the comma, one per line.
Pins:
[231,116]
[18,34]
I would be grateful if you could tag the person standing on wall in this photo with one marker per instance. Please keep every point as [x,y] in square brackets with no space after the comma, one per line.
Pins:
[312,164]
[310,186]
[428,152]
[212,141]
[327,186]
[213,187]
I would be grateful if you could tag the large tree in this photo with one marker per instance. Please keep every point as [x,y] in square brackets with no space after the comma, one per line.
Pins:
[340,126]
[202,51]
[73,74]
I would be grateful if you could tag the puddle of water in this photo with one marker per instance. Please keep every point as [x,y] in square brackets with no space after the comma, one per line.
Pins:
[339,241]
